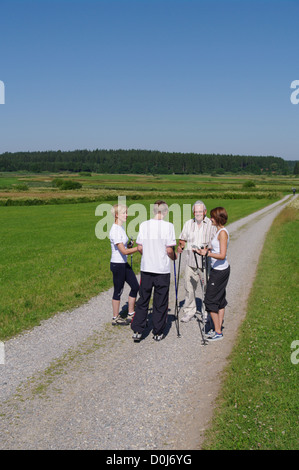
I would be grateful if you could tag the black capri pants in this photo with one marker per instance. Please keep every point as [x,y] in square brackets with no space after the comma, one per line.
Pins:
[122,272]
[215,297]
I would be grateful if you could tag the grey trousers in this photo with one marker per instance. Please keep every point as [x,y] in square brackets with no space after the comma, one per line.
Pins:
[191,282]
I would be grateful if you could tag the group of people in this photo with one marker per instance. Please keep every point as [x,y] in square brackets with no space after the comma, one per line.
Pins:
[156,242]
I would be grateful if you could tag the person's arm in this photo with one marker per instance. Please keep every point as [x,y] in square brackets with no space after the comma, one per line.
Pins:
[183,237]
[170,250]
[126,251]
[222,237]
[181,245]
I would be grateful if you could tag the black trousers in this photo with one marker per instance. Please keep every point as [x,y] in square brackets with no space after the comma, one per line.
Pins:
[160,284]
[215,297]
[122,272]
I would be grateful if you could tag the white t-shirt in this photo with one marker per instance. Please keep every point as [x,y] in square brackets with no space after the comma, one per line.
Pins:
[219,264]
[154,236]
[117,235]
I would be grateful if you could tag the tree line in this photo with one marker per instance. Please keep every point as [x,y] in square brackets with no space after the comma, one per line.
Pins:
[142,162]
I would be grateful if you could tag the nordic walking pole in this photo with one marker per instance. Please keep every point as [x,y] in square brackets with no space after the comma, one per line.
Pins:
[176,297]
[196,248]
[130,245]
[204,285]
[204,340]
[179,270]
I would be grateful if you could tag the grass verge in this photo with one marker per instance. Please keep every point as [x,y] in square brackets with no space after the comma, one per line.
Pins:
[258,404]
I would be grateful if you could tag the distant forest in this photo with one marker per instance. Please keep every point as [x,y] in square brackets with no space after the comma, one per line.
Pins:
[142,162]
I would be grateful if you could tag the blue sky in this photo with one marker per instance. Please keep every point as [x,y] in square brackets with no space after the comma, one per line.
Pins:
[203,76]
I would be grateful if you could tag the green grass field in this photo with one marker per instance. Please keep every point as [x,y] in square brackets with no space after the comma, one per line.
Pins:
[258,405]
[51,260]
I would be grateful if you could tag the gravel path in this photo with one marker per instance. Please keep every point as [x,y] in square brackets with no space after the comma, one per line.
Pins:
[77,382]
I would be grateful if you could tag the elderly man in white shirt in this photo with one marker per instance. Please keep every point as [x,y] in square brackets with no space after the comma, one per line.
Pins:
[197,231]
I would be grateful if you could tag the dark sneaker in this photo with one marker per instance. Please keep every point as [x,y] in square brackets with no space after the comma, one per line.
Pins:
[216,337]
[159,337]
[137,337]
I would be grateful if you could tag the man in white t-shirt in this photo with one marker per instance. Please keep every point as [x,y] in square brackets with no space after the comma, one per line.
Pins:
[197,231]
[156,241]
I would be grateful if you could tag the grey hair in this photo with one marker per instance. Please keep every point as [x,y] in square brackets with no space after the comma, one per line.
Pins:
[160,206]
[199,203]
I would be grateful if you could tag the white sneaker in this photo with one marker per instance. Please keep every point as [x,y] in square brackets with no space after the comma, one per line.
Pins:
[187,317]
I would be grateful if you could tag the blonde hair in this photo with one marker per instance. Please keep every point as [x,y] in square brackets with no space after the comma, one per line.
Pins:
[118,208]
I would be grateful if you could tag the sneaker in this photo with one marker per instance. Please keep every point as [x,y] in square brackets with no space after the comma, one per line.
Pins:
[210,334]
[119,320]
[187,318]
[216,337]
[137,337]
[159,337]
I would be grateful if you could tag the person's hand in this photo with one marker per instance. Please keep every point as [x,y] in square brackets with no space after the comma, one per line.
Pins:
[130,244]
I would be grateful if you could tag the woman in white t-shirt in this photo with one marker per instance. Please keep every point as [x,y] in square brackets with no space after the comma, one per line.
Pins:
[121,270]
[215,297]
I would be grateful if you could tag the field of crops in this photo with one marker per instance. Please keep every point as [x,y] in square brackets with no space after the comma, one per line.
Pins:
[36,189]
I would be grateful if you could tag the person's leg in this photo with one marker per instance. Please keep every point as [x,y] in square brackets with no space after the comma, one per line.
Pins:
[118,271]
[191,280]
[216,321]
[131,305]
[221,317]
[215,298]
[115,307]
[141,308]
[133,283]
[160,302]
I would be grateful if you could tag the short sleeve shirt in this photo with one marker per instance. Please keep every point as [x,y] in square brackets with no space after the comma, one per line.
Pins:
[117,235]
[155,236]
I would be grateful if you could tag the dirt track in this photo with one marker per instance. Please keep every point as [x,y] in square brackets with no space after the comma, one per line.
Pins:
[76,382]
